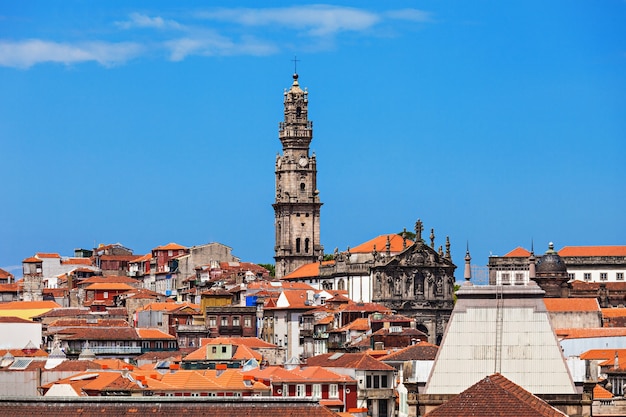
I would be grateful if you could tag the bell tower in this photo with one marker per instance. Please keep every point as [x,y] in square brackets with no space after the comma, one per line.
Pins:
[297,204]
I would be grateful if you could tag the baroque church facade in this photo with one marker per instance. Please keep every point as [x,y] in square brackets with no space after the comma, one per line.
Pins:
[414,279]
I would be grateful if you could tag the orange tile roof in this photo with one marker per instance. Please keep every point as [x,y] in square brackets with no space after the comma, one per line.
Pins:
[593,251]
[47,255]
[571,304]
[76,261]
[31,260]
[170,246]
[601,393]
[113,286]
[311,270]
[420,351]
[576,333]
[110,278]
[143,258]
[614,312]
[495,395]
[252,342]
[602,354]
[380,242]
[243,352]
[518,252]
[155,334]
[168,306]
[210,380]
[13,287]
[360,324]
[5,274]
[349,360]
[28,305]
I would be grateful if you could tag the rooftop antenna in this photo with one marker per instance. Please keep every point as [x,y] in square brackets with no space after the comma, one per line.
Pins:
[295,64]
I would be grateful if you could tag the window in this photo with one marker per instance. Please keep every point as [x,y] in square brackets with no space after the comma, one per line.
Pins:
[306,245]
[571,276]
[506,278]
[333,391]
[159,344]
[619,276]
[519,278]
[285,390]
[376,381]
[171,345]
[368,381]
[223,349]
[383,381]
[170,253]
[145,345]
[298,245]
[224,321]
[604,276]
[105,294]
[317,391]
[213,349]
[247,321]
[587,276]
[300,390]
[212,321]
[235,320]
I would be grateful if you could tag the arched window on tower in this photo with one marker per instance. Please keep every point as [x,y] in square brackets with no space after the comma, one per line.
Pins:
[297,245]
[306,245]
[298,111]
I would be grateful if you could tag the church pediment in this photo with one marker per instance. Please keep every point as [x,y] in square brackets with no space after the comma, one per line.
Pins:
[420,255]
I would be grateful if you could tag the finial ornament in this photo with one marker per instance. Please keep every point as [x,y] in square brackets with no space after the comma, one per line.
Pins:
[295,66]
[448,255]
[419,226]
[432,238]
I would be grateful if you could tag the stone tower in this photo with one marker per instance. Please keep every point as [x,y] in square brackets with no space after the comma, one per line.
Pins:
[33,279]
[297,205]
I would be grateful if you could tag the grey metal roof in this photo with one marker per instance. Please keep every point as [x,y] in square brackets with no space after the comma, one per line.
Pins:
[502,330]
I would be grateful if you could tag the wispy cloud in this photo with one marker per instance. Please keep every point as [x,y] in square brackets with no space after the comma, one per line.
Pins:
[316,20]
[24,54]
[213,32]
[138,20]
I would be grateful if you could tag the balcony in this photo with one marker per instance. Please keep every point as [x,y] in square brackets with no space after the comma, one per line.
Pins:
[116,350]
[191,328]
[321,335]
[230,330]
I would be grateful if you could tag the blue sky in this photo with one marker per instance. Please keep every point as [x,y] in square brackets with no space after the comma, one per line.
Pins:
[496,123]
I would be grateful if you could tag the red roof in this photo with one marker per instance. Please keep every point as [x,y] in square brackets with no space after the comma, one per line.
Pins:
[360,361]
[47,255]
[518,252]
[396,244]
[31,260]
[593,251]
[5,274]
[170,246]
[76,261]
[600,393]
[496,396]
[307,270]
[578,333]
[571,304]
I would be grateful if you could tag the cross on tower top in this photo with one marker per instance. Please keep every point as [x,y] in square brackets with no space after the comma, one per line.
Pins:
[295,64]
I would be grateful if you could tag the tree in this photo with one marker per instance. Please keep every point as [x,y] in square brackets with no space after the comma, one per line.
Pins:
[271,268]
[409,235]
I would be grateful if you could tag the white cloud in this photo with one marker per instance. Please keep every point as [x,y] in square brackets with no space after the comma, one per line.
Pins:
[412,15]
[317,20]
[24,54]
[138,20]
[217,45]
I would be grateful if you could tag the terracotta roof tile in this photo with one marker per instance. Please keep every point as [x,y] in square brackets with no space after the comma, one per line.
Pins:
[360,324]
[109,286]
[111,278]
[47,255]
[380,242]
[614,312]
[578,333]
[28,305]
[571,304]
[518,252]
[154,334]
[120,406]
[5,274]
[14,287]
[593,251]
[311,270]
[170,246]
[360,361]
[496,396]
[76,261]
[422,351]
[31,260]
[600,393]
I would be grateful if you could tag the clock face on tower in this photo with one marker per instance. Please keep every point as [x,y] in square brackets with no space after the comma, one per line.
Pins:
[303,162]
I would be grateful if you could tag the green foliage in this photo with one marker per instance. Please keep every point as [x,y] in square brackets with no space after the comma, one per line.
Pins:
[456,288]
[329,257]
[409,235]
[271,268]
